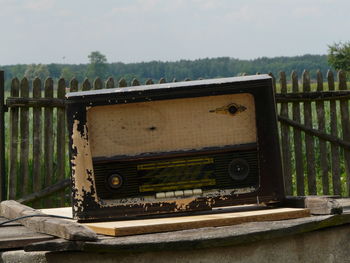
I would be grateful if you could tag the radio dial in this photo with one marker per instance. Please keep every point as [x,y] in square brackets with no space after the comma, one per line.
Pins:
[232,109]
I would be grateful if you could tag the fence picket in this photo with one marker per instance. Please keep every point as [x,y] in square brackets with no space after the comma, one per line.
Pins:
[344,110]
[86,85]
[285,140]
[309,140]
[61,138]
[23,175]
[135,82]
[122,83]
[13,155]
[98,84]
[110,83]
[149,82]
[323,146]
[73,85]
[298,150]
[37,133]
[48,138]
[334,131]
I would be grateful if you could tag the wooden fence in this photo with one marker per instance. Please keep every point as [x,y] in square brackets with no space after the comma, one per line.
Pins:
[314,129]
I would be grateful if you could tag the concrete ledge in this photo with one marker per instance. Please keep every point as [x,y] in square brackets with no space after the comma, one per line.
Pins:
[326,245]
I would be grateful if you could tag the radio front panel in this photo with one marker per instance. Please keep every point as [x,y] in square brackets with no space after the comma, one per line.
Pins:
[176,147]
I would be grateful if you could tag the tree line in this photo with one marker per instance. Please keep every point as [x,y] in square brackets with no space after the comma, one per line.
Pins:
[179,70]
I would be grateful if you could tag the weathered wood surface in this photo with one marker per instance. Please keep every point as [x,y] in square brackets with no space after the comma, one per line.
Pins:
[345,203]
[86,85]
[318,95]
[345,123]
[318,205]
[98,84]
[15,223]
[309,140]
[334,132]
[73,85]
[48,138]
[323,206]
[298,150]
[317,133]
[67,229]
[122,83]
[61,140]
[16,236]
[285,140]
[163,224]
[321,119]
[198,238]
[185,239]
[110,83]
[24,141]
[136,227]
[14,117]
[35,102]
[37,142]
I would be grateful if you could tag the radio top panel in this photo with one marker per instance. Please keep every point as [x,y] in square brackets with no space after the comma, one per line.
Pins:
[94,95]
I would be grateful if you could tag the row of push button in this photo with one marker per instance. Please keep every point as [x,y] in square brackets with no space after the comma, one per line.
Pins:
[179,193]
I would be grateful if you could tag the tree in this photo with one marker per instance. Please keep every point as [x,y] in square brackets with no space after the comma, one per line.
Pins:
[32,71]
[98,65]
[339,56]
[66,73]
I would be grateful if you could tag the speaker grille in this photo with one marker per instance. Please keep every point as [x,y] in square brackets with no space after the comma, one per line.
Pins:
[205,171]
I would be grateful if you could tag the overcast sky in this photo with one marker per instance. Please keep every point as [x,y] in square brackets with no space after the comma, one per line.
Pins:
[66,31]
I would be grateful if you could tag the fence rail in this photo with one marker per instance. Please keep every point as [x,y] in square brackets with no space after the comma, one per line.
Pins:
[314,134]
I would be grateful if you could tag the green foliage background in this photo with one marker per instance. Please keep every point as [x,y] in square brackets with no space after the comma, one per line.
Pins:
[179,70]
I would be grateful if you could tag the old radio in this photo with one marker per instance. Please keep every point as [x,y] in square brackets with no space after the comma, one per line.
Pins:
[174,147]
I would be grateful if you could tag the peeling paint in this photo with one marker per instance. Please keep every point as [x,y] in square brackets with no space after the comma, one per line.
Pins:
[82,167]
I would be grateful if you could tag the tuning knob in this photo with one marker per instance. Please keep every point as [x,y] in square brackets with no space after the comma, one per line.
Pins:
[239,169]
[115,181]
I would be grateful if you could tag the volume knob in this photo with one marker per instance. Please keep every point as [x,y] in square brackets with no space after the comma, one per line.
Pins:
[239,169]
